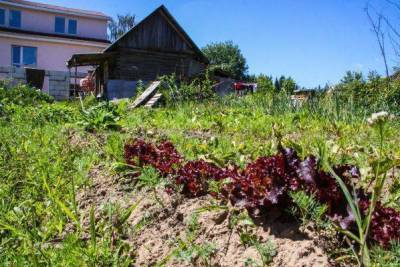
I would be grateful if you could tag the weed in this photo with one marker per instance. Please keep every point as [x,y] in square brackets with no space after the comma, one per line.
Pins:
[151,179]
[187,250]
[308,208]
[101,116]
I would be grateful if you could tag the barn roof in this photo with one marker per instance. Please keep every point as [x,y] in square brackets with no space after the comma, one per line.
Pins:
[163,11]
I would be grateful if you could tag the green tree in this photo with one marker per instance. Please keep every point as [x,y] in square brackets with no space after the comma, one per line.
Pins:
[352,76]
[121,25]
[265,83]
[227,57]
[277,85]
[289,85]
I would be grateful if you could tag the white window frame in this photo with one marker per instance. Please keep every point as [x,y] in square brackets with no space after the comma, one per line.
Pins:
[21,56]
[7,16]
[66,25]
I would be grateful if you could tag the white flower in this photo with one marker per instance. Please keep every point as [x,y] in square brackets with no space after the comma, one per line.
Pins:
[379,117]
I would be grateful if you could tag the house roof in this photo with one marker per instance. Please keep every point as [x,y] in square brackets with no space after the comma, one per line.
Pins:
[54,8]
[164,11]
[63,36]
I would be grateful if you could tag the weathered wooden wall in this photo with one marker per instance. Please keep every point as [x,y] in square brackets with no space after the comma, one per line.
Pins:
[149,66]
[154,48]
[155,33]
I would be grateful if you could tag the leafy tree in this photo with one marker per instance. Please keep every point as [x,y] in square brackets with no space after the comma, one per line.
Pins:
[120,26]
[265,83]
[227,57]
[352,76]
[288,85]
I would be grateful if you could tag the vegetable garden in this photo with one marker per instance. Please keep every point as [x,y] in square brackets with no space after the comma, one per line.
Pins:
[250,181]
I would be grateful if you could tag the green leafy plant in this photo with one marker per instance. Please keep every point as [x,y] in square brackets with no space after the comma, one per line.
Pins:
[187,250]
[23,95]
[308,208]
[98,117]
[363,221]
[150,178]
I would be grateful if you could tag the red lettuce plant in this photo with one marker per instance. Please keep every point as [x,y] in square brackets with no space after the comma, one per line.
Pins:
[194,176]
[261,185]
[266,183]
[385,223]
[164,157]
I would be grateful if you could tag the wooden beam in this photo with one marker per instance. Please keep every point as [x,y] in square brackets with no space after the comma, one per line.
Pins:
[156,52]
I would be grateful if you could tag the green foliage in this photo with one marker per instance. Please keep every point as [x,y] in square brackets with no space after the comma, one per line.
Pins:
[187,250]
[382,257]
[244,225]
[39,170]
[44,161]
[288,86]
[176,91]
[103,116]
[265,84]
[151,179]
[121,25]
[283,84]
[375,92]
[55,114]
[22,95]
[227,57]
[140,88]
[266,250]
[308,208]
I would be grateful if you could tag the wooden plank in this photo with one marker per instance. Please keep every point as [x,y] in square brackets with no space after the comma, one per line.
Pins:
[146,95]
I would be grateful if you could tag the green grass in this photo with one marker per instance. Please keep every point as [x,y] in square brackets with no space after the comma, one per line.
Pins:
[46,156]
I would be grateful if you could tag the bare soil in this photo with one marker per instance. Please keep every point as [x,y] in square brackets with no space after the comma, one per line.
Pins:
[167,222]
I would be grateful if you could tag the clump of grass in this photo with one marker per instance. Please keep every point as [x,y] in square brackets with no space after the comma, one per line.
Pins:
[308,209]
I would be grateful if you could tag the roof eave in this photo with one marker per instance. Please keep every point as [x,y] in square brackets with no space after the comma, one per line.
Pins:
[58,11]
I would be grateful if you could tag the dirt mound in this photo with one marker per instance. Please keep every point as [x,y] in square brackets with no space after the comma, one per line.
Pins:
[171,230]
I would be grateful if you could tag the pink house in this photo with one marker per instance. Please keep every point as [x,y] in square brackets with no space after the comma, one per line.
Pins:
[45,36]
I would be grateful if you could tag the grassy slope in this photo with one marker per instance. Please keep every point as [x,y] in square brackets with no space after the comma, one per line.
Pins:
[44,161]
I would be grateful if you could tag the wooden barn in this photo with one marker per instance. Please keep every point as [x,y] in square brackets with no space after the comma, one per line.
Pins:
[154,47]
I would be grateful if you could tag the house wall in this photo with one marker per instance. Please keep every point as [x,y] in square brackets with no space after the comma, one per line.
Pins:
[52,53]
[43,21]
[58,82]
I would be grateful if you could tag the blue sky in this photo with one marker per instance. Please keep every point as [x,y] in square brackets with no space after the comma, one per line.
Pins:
[314,41]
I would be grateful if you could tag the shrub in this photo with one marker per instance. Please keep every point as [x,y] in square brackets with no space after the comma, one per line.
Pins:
[175,91]
[23,95]
[55,114]
[101,116]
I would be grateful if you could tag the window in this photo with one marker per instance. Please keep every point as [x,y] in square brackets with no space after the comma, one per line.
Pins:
[29,56]
[16,56]
[15,18]
[60,25]
[23,56]
[72,26]
[2,16]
